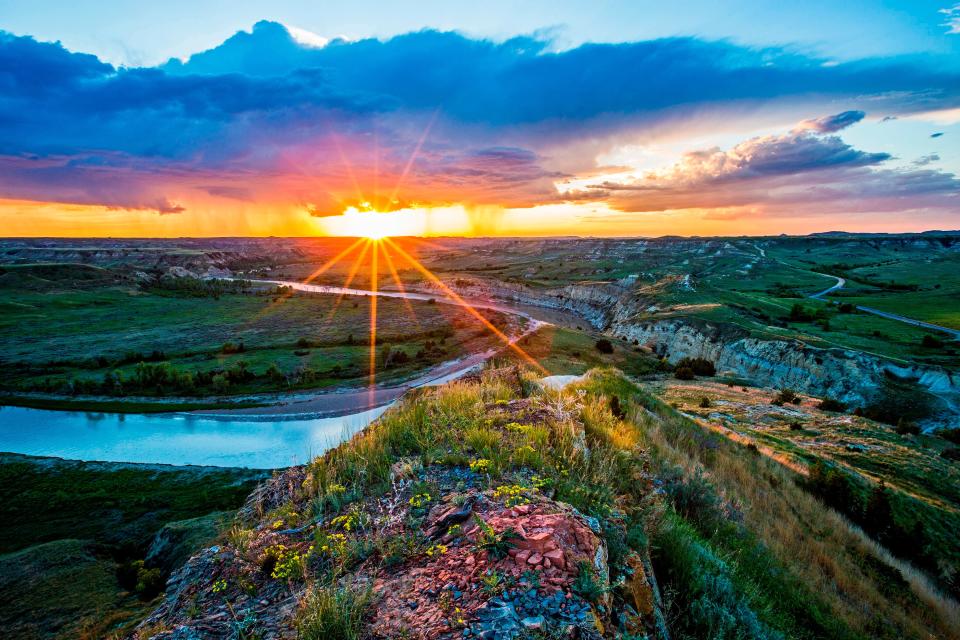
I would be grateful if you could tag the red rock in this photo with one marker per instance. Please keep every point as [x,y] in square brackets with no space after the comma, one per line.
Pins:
[522,555]
[547,563]
[556,557]
[535,558]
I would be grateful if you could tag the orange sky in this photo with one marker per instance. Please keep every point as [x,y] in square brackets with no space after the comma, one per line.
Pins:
[33,219]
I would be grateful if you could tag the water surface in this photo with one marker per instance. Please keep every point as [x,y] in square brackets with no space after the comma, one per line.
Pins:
[178,439]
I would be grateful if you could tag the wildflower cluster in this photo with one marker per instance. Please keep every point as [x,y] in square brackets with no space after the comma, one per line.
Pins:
[455,530]
[516,427]
[219,586]
[512,494]
[526,452]
[436,550]
[333,544]
[347,522]
[288,563]
[419,500]
[481,465]
[335,488]
[539,482]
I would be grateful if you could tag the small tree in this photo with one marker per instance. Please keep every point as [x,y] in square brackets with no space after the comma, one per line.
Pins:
[684,373]
[604,346]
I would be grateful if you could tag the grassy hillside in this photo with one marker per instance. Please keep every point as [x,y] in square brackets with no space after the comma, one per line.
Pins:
[71,534]
[436,506]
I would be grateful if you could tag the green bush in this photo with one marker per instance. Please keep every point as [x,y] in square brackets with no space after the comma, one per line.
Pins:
[604,346]
[699,366]
[831,404]
[333,612]
[786,396]
[684,373]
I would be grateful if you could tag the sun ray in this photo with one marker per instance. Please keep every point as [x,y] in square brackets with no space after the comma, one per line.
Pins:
[310,278]
[373,325]
[413,157]
[466,306]
[396,279]
[349,279]
[358,193]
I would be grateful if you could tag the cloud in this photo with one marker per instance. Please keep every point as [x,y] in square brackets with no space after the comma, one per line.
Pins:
[832,124]
[427,117]
[797,172]
[953,19]
[927,159]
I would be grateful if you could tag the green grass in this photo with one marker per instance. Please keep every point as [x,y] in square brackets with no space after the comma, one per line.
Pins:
[66,528]
[64,589]
[569,352]
[46,499]
[79,334]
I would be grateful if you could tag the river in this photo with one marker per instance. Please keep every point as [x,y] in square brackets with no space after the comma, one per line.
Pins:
[258,438]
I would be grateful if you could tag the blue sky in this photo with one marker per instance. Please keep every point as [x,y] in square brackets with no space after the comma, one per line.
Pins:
[615,118]
[147,33]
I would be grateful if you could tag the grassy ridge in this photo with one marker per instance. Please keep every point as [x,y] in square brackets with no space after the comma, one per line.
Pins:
[740,549]
[801,563]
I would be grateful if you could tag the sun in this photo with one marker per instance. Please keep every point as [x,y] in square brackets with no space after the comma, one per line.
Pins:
[376,225]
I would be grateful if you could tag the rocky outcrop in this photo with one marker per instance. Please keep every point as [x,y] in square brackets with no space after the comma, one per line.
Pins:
[595,302]
[852,377]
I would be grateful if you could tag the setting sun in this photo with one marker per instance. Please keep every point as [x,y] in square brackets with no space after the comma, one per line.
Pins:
[376,225]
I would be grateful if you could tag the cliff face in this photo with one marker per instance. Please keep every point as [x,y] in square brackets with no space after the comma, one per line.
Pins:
[850,376]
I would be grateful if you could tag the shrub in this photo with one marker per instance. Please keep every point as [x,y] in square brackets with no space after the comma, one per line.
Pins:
[694,498]
[230,347]
[830,404]
[699,366]
[950,435]
[146,583]
[586,584]
[907,428]
[705,402]
[333,612]
[684,373]
[616,409]
[931,343]
[604,346]
[786,396]
[496,544]
[834,487]
[951,454]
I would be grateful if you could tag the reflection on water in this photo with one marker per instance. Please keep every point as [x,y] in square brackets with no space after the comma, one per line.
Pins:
[174,438]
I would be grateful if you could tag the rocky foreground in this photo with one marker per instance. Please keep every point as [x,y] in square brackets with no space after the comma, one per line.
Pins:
[446,550]
[496,508]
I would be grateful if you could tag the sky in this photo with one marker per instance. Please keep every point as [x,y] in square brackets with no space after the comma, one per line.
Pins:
[122,118]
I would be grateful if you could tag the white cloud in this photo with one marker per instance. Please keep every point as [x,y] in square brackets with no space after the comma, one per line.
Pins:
[953,19]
